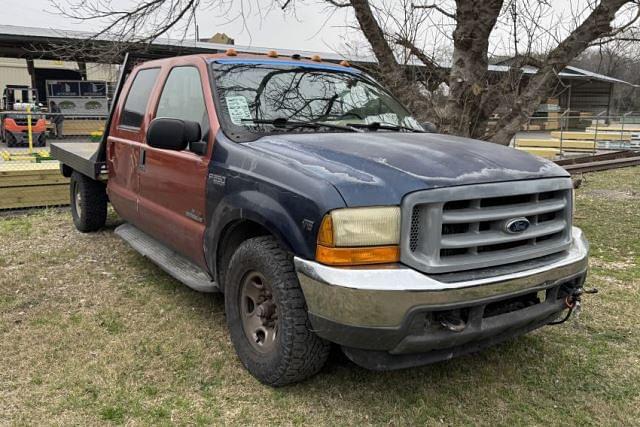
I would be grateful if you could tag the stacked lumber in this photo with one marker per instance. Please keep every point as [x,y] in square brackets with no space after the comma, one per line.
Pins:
[628,128]
[25,185]
[82,127]
[567,144]
[600,136]
[546,152]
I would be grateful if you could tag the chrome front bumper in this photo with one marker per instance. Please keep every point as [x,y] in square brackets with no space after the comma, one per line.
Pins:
[382,296]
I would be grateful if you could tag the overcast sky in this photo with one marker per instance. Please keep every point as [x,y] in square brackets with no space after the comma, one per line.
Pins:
[306,30]
[315,27]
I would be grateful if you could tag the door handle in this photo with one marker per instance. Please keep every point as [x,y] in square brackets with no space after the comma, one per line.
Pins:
[142,161]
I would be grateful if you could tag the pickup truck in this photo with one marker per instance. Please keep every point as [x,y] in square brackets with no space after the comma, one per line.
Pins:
[326,214]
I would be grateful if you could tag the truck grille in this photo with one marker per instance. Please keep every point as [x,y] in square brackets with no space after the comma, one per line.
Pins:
[465,228]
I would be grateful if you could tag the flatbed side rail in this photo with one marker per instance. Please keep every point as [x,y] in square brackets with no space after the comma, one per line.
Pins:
[81,157]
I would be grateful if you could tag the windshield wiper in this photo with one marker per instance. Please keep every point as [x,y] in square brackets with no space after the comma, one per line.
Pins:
[374,126]
[282,122]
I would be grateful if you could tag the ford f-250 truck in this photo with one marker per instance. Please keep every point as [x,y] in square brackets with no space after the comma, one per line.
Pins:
[324,212]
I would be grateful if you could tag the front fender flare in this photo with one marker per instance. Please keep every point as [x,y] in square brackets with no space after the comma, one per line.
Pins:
[261,209]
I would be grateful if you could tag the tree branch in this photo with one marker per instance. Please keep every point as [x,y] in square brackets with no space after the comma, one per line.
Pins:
[436,8]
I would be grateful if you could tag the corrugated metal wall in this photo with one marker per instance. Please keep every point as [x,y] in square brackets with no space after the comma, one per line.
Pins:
[588,96]
[13,72]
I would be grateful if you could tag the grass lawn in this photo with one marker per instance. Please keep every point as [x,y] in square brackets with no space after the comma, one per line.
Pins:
[93,333]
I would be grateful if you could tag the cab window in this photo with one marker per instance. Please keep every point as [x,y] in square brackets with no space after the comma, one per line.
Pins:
[136,104]
[182,98]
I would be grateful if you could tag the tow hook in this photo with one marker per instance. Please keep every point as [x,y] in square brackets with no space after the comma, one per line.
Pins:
[573,302]
[452,321]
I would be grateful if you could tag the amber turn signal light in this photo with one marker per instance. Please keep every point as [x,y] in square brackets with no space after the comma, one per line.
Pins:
[325,234]
[357,256]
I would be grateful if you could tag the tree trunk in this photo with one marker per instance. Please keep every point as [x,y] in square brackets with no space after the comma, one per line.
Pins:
[468,77]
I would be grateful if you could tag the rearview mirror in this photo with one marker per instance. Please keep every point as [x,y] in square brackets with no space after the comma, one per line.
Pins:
[172,134]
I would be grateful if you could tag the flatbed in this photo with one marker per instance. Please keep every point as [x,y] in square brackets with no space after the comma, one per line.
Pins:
[80,156]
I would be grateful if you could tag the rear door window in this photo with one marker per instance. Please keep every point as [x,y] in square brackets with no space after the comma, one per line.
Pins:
[136,104]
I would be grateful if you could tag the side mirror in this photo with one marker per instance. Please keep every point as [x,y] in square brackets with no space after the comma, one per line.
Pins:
[172,134]
[429,127]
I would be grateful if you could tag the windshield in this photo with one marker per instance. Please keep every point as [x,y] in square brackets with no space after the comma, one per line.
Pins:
[267,98]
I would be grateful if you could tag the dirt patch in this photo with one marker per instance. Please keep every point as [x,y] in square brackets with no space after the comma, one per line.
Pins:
[611,194]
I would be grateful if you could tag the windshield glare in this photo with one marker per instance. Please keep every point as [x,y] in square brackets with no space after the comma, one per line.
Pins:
[302,94]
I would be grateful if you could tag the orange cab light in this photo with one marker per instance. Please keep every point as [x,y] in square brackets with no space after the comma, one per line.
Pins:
[357,256]
[231,52]
[272,54]
[316,58]
[345,63]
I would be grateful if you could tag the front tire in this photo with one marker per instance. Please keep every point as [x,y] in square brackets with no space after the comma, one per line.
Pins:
[267,315]
[88,203]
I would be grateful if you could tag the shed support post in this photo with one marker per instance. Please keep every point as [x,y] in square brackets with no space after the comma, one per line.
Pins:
[82,68]
[31,69]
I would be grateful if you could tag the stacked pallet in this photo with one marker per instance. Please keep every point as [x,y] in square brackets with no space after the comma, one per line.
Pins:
[547,117]
[553,114]
[25,185]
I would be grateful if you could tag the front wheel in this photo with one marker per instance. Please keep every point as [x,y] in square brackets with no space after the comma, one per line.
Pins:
[267,315]
[88,203]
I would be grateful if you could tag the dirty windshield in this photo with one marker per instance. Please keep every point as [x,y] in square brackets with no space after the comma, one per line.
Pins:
[256,99]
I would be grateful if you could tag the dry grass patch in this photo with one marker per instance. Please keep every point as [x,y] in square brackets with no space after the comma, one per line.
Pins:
[93,333]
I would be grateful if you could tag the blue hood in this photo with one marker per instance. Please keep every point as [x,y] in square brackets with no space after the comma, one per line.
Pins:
[379,168]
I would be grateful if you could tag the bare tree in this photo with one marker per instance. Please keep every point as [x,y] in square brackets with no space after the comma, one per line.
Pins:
[408,39]
[475,94]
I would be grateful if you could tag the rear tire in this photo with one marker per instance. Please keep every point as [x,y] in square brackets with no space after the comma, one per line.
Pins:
[282,349]
[88,203]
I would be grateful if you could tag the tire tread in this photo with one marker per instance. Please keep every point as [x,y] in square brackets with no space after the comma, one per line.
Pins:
[94,203]
[303,353]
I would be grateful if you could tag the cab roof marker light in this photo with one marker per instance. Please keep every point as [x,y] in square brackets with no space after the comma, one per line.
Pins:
[272,54]
[316,58]
[345,63]
[284,61]
[231,52]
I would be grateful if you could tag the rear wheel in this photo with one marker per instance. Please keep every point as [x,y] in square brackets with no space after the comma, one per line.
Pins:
[88,203]
[267,315]
[42,140]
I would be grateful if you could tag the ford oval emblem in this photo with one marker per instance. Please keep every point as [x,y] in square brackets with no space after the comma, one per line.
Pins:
[517,225]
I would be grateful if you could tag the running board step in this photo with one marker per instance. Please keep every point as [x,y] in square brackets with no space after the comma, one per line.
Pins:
[167,259]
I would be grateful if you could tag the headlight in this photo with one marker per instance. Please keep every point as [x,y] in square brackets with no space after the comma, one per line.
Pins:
[360,236]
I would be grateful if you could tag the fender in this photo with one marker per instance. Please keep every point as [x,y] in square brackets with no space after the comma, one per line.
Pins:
[260,209]
[247,184]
